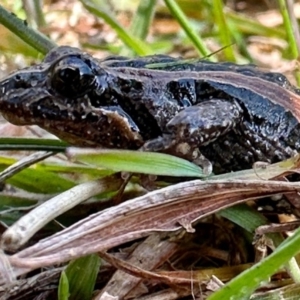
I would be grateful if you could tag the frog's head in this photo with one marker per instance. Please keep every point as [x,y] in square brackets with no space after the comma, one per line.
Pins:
[56,95]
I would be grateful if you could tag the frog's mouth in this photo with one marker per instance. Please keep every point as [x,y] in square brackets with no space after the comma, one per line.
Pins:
[24,102]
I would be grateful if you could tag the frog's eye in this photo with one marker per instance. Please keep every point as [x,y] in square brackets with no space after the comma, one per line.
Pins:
[72,77]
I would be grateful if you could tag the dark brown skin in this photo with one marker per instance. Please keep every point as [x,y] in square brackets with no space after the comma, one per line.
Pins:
[220,115]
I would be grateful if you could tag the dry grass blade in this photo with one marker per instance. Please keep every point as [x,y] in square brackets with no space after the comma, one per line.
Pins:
[149,254]
[23,287]
[20,232]
[167,209]
[23,164]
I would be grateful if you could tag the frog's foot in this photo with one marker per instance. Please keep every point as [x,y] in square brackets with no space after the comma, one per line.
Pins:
[193,154]
[203,162]
[148,182]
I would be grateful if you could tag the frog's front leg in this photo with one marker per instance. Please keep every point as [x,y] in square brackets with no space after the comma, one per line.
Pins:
[197,126]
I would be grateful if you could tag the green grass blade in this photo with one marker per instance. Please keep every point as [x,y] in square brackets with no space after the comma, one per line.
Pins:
[82,274]
[37,144]
[248,219]
[239,39]
[137,162]
[142,19]
[188,29]
[242,286]
[36,13]
[63,287]
[19,27]
[246,25]
[288,29]
[292,30]
[133,43]
[141,22]
[223,29]
[37,181]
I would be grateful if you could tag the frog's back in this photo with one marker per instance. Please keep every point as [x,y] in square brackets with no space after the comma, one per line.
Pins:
[168,63]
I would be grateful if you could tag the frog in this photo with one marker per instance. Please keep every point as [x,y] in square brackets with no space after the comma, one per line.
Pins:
[222,116]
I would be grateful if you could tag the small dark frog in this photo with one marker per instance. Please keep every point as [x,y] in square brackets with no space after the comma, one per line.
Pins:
[218,115]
